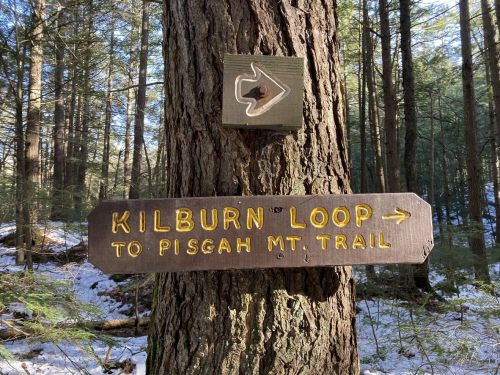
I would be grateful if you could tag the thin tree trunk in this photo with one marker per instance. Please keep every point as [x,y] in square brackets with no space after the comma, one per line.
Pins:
[411,136]
[126,154]
[494,156]
[374,123]
[33,125]
[473,165]
[20,164]
[103,186]
[83,149]
[273,321]
[362,124]
[393,168]
[431,189]
[115,184]
[57,212]
[73,113]
[493,79]
[140,107]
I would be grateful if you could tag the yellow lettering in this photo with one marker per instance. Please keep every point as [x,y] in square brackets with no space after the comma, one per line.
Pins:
[293,218]
[359,241]
[224,245]
[314,213]
[207,249]
[335,216]
[158,227]
[187,219]
[118,246]
[360,216]
[323,238]
[276,241]
[193,247]
[137,252]
[257,218]
[204,224]
[231,218]
[176,247]
[372,240]
[244,244]
[381,243]
[142,221]
[293,240]
[164,245]
[120,222]
[340,240]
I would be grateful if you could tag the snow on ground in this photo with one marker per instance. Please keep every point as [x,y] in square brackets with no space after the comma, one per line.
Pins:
[456,342]
[66,358]
[459,341]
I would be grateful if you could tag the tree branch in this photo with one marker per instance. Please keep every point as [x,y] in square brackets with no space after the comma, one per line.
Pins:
[133,86]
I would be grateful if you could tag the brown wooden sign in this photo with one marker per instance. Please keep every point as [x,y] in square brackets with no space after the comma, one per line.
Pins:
[186,234]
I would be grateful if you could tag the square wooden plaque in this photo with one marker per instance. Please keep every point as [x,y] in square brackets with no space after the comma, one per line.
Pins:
[263,92]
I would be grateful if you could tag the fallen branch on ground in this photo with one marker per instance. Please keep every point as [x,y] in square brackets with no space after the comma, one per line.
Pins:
[19,332]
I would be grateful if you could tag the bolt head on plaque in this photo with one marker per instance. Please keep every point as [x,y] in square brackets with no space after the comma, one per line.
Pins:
[263,92]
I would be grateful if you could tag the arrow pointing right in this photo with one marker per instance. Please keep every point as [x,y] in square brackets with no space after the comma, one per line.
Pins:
[402,215]
[259,71]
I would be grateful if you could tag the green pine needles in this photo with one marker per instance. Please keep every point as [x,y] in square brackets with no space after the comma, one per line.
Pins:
[50,311]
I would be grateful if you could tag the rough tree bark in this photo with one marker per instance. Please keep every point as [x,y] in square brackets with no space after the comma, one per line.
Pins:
[253,321]
[33,125]
[471,147]
[59,118]
[411,136]
[393,168]
[135,178]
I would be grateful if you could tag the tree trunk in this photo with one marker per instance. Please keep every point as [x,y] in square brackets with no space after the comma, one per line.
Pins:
[83,136]
[393,168]
[494,160]
[374,123]
[126,154]
[253,321]
[140,107]
[411,135]
[362,121]
[33,125]
[57,212]
[20,160]
[471,147]
[446,185]
[493,79]
[104,183]
[73,113]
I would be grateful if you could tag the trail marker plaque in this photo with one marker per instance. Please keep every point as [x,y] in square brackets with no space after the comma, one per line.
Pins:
[262,92]
[186,234]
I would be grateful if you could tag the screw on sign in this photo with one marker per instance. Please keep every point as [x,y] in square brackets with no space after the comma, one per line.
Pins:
[186,234]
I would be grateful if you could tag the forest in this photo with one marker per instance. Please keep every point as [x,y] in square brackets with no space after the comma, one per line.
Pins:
[115,100]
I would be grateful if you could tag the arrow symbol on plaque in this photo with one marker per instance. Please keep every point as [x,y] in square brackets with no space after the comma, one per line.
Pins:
[267,92]
[402,215]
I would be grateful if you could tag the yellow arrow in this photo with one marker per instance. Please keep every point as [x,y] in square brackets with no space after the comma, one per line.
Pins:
[401,215]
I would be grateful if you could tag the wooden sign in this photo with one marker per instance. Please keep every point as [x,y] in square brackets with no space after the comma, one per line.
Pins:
[186,234]
[262,92]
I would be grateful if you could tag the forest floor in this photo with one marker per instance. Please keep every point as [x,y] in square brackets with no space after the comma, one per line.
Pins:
[395,336]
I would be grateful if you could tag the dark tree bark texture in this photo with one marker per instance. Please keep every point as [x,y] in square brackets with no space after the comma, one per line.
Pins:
[471,145]
[135,178]
[276,321]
